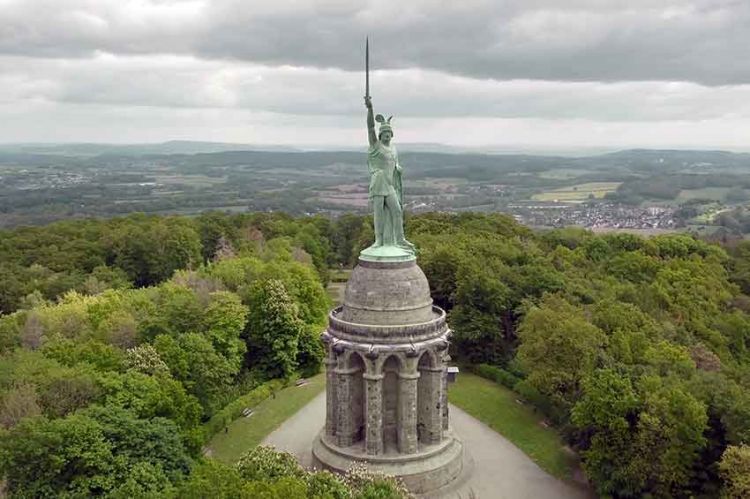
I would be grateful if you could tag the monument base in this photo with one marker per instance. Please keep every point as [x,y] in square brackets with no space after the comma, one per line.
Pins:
[386,253]
[432,468]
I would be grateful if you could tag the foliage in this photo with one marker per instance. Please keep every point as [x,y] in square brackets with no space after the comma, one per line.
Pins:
[368,485]
[152,396]
[223,321]
[310,353]
[20,402]
[735,471]
[193,361]
[234,409]
[222,480]
[645,438]
[568,319]
[558,348]
[121,350]
[265,463]
[496,374]
[145,359]
[266,473]
[639,349]
[90,453]
[273,329]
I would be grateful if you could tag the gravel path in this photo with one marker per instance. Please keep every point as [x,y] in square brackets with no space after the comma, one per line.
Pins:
[493,467]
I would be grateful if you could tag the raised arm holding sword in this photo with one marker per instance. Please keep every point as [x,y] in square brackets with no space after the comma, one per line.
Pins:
[386,192]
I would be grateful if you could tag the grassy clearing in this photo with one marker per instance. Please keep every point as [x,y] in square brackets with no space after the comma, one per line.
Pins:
[339,275]
[496,407]
[577,193]
[245,433]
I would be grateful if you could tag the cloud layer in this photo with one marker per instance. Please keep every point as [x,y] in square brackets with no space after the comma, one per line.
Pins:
[588,62]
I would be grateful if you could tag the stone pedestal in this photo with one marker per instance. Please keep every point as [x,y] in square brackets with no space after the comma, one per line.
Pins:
[386,384]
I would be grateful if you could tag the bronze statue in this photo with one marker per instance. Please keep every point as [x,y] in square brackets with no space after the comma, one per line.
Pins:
[386,191]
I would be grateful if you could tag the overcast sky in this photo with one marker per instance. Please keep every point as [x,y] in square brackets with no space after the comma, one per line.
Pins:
[502,73]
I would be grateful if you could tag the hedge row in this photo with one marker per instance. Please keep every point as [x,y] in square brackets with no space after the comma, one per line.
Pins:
[234,409]
[523,388]
[496,374]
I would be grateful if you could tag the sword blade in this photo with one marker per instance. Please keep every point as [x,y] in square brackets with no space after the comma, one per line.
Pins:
[367,66]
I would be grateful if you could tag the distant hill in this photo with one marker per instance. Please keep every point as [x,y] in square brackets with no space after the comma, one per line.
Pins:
[673,157]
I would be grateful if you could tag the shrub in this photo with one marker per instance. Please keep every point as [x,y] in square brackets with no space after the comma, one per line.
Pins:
[368,485]
[533,396]
[326,484]
[264,463]
[233,410]
[735,471]
[497,374]
[310,353]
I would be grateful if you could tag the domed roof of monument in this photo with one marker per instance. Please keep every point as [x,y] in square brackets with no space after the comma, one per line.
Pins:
[380,293]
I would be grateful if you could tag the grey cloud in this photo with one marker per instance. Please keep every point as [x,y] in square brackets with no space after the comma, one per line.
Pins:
[55,122]
[702,41]
[185,82]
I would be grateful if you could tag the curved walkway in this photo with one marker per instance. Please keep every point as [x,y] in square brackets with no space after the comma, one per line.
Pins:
[493,467]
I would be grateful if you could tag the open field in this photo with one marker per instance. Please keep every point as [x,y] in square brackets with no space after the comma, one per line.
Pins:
[714,193]
[496,406]
[359,200]
[196,180]
[578,192]
[57,182]
[637,232]
[562,173]
[710,214]
[247,432]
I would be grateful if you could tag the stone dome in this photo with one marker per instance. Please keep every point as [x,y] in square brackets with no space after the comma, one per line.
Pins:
[380,293]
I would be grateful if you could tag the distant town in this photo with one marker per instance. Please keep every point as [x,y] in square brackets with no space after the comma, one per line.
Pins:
[637,190]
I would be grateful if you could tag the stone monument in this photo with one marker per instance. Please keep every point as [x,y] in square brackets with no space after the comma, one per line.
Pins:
[386,351]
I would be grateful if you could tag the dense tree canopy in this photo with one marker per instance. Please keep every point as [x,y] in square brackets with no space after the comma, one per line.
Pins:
[112,356]
[119,337]
[636,348]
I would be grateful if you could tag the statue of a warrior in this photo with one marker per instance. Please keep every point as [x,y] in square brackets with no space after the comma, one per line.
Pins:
[386,192]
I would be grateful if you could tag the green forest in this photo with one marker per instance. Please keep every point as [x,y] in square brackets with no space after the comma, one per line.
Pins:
[125,344]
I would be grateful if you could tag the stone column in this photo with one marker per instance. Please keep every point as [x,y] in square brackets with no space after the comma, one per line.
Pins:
[345,421]
[431,404]
[373,413]
[444,395]
[331,397]
[407,400]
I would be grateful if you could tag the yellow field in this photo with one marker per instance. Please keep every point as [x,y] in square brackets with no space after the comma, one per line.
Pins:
[577,193]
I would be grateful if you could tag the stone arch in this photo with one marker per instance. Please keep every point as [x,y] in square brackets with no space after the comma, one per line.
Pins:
[428,358]
[429,398]
[396,357]
[349,398]
[354,359]
[356,363]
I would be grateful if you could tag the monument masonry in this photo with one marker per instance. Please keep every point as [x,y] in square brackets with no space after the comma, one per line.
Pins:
[387,349]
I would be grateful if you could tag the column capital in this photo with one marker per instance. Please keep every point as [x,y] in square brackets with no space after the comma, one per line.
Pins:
[350,370]
[433,369]
[372,377]
[408,375]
